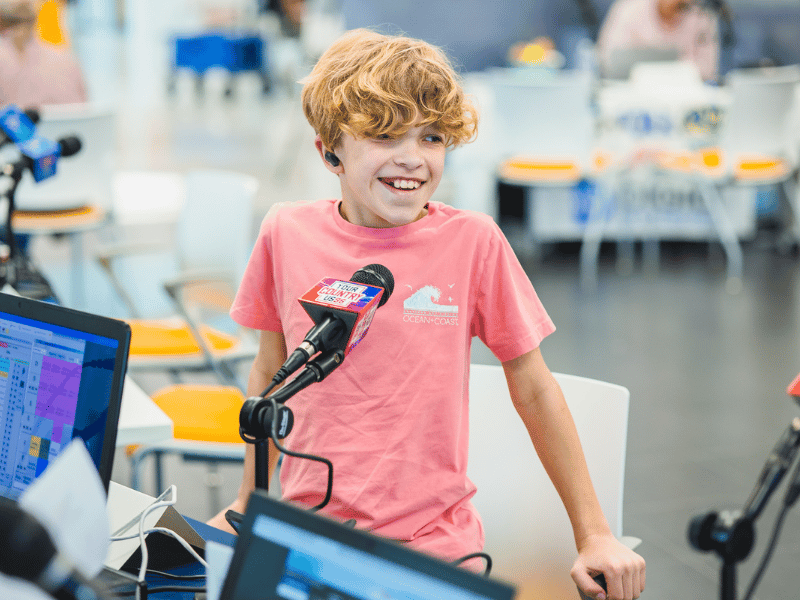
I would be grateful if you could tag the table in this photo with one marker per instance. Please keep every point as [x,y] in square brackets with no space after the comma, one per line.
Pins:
[140,420]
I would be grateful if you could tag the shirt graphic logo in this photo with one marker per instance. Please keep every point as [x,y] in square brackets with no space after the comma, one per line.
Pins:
[426,305]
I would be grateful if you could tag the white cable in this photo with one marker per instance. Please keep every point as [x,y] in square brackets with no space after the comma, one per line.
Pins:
[182,541]
[173,492]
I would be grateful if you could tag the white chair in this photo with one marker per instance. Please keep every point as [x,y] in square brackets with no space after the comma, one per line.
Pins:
[545,125]
[77,199]
[544,141]
[757,145]
[528,533]
[214,238]
[82,179]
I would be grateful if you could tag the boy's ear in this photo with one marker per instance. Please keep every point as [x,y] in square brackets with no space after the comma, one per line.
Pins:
[332,162]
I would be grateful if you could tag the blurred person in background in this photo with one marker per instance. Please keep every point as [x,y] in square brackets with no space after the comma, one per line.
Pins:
[33,72]
[683,25]
[289,12]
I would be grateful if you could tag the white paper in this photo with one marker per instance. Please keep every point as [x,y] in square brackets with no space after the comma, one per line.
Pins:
[218,557]
[125,507]
[69,500]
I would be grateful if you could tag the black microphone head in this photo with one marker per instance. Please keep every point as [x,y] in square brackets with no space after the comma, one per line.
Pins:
[33,115]
[376,275]
[27,547]
[69,145]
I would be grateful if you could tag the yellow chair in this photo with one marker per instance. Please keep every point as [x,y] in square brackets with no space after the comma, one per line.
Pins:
[205,428]
[213,243]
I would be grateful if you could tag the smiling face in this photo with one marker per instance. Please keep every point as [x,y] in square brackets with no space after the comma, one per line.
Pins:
[388,181]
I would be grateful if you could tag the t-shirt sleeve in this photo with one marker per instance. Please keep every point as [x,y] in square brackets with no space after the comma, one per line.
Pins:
[509,317]
[256,303]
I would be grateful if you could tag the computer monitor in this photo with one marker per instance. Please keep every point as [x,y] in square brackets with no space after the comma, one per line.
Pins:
[286,553]
[61,377]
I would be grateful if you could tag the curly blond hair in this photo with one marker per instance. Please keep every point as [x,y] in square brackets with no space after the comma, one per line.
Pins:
[368,84]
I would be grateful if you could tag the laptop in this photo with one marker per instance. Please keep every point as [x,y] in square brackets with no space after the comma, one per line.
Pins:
[61,377]
[286,553]
[623,60]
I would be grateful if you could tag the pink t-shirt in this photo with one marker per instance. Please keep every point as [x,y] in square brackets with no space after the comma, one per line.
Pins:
[636,24]
[38,76]
[393,418]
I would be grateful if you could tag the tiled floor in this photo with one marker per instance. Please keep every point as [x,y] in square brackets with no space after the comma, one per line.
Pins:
[707,371]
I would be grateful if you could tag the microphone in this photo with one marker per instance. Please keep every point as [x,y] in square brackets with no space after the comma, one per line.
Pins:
[40,155]
[256,416]
[794,388]
[30,554]
[778,462]
[17,126]
[342,312]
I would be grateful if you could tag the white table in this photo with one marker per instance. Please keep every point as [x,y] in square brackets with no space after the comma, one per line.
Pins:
[141,421]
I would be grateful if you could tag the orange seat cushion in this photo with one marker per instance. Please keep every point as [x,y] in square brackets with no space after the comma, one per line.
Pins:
[168,337]
[525,169]
[208,413]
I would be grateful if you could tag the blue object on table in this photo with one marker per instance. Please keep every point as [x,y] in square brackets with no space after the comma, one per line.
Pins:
[234,52]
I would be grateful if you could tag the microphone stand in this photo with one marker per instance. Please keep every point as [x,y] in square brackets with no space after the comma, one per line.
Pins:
[731,534]
[266,417]
[14,175]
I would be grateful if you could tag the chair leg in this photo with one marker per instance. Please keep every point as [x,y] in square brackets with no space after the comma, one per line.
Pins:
[727,235]
[158,475]
[593,234]
[214,483]
[651,255]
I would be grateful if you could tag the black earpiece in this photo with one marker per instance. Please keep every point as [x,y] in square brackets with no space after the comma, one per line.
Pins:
[332,158]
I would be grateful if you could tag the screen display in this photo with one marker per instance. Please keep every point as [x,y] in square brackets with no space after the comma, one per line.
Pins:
[55,385]
[285,553]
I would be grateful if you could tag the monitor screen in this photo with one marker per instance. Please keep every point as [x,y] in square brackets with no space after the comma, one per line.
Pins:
[287,553]
[61,374]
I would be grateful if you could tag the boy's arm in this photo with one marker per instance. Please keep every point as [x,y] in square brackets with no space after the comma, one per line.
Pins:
[270,357]
[540,403]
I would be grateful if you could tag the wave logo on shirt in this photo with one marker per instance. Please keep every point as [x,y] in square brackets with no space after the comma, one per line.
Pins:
[427,305]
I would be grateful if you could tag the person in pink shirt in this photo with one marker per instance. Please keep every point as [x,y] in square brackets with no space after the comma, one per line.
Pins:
[665,24]
[33,73]
[393,418]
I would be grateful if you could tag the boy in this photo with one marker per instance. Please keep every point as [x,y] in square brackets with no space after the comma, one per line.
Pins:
[393,418]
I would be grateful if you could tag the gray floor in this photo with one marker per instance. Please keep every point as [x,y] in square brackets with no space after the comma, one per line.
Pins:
[707,371]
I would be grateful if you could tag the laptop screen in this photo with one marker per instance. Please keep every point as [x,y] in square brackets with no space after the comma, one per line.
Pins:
[61,375]
[287,553]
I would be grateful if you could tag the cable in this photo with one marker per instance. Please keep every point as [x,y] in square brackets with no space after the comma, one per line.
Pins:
[268,389]
[792,493]
[173,576]
[773,542]
[476,555]
[329,464]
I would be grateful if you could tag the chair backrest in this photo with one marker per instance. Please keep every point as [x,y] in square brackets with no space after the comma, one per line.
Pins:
[672,75]
[84,178]
[215,231]
[543,116]
[756,123]
[528,533]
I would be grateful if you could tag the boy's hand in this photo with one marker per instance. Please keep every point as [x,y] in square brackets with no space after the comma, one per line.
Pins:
[624,570]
